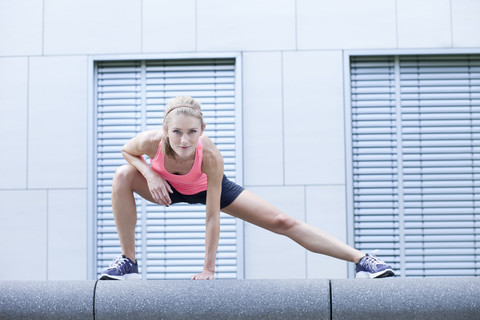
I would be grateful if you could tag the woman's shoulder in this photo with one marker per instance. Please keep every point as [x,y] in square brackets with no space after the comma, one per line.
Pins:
[149,140]
[153,135]
[208,145]
[211,155]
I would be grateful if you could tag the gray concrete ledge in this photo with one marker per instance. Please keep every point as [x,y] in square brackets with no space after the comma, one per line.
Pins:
[412,298]
[221,299]
[46,299]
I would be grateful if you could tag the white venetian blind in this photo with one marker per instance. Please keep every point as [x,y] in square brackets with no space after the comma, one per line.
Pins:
[440,100]
[375,157]
[416,160]
[131,97]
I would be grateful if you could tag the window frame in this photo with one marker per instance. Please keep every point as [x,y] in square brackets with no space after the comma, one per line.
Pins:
[347,54]
[92,138]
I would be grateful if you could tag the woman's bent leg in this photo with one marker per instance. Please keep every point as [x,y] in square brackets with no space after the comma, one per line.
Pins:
[127,180]
[253,209]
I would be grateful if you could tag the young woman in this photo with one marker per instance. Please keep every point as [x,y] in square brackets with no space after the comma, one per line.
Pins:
[187,167]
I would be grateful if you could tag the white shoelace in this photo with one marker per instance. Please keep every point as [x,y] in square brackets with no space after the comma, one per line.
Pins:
[371,262]
[117,262]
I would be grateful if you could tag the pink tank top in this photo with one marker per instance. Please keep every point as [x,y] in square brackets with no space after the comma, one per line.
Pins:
[193,182]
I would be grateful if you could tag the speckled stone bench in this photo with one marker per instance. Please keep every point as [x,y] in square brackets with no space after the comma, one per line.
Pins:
[393,298]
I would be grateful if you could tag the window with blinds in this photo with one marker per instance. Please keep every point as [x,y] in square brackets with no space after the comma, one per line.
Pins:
[415,123]
[130,98]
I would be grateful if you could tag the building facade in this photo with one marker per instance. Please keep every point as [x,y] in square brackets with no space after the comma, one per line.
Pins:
[298,73]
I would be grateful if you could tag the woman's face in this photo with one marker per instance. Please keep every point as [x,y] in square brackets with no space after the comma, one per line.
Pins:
[183,132]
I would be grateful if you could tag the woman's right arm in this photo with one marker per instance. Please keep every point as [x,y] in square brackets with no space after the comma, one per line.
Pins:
[147,143]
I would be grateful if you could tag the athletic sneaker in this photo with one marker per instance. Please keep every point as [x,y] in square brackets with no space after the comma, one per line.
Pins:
[370,267]
[122,268]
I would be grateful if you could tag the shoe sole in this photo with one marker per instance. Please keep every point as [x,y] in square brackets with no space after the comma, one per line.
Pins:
[386,274]
[382,274]
[132,276]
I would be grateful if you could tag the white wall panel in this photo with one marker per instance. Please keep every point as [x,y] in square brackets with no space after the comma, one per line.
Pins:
[169,25]
[245,25]
[263,118]
[89,26]
[67,234]
[466,23]
[424,24]
[57,154]
[346,24]
[269,255]
[313,102]
[23,234]
[326,211]
[13,122]
[21,27]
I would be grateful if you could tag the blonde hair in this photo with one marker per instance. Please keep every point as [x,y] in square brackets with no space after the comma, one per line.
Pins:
[180,105]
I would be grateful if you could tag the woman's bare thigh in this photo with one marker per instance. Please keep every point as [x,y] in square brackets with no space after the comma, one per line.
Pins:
[252,208]
[140,185]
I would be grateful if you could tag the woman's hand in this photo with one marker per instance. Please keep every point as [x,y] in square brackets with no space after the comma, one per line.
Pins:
[160,189]
[204,275]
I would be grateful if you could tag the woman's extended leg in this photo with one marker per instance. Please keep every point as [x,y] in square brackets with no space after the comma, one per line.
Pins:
[127,180]
[254,209]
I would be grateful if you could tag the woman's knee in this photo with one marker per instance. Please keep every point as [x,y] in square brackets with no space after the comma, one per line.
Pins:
[282,223]
[123,177]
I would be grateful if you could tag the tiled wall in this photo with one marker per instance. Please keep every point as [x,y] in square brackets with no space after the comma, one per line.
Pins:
[294,143]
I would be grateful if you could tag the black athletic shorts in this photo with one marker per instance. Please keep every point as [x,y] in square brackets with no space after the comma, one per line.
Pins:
[230,192]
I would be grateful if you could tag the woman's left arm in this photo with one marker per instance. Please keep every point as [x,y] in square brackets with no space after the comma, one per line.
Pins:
[212,166]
